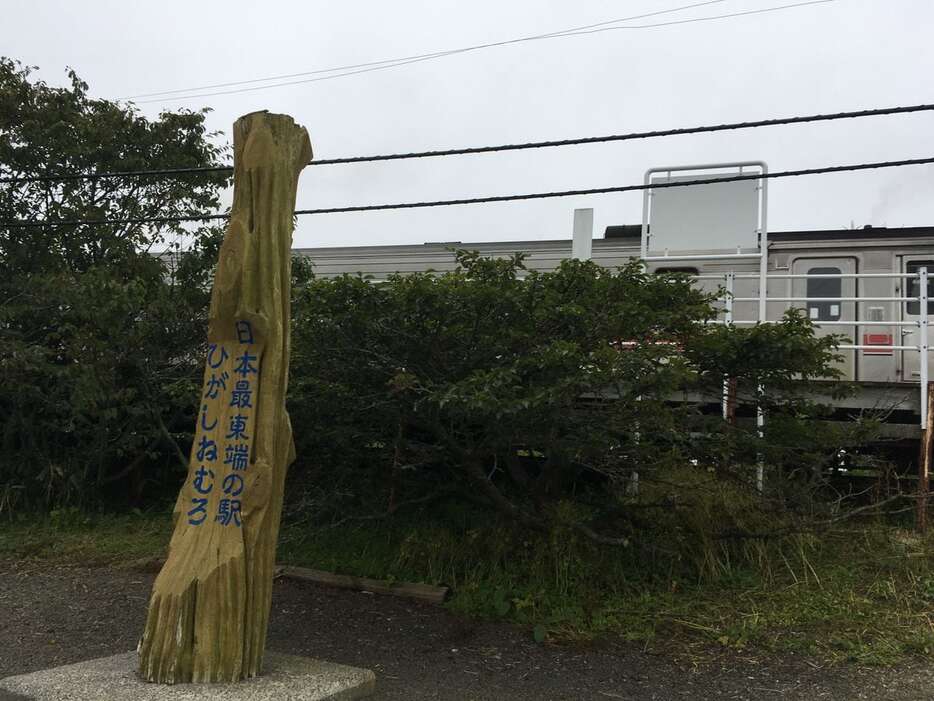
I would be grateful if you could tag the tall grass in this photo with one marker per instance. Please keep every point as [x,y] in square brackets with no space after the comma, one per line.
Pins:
[860,591]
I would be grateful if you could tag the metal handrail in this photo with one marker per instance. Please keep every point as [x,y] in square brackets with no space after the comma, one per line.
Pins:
[863,346]
[706,256]
[753,322]
[803,276]
[921,324]
[829,299]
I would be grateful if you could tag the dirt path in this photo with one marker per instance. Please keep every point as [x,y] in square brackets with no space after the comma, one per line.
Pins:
[52,615]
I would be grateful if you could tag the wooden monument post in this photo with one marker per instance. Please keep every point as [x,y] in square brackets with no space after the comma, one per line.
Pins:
[210,603]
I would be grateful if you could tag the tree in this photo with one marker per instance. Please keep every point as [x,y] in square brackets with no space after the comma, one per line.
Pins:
[99,339]
[523,391]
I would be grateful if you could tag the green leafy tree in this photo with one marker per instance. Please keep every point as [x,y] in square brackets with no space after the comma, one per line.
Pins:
[524,391]
[780,368]
[100,339]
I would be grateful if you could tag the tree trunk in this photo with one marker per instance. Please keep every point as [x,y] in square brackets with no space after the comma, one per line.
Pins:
[210,603]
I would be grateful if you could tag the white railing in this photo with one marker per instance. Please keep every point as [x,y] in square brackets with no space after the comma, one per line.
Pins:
[922,347]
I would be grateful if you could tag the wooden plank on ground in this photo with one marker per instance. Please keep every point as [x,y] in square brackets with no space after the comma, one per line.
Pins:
[412,590]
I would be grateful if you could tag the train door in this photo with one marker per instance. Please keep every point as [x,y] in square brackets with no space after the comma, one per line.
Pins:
[820,283]
[911,311]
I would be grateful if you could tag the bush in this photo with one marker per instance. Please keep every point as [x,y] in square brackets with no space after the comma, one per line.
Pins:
[524,392]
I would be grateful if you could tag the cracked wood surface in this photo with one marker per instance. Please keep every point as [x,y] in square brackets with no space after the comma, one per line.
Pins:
[209,608]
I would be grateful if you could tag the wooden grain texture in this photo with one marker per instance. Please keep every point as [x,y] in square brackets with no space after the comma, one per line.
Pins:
[409,590]
[209,608]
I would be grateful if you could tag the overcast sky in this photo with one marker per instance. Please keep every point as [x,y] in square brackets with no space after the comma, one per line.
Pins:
[841,55]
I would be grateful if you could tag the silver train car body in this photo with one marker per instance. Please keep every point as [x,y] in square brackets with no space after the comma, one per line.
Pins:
[888,378]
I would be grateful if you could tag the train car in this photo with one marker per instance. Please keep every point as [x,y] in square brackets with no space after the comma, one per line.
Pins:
[864,284]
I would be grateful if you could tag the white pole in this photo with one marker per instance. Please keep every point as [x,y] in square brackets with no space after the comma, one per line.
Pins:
[763,295]
[582,243]
[764,246]
[646,195]
[760,423]
[923,341]
[728,319]
[643,254]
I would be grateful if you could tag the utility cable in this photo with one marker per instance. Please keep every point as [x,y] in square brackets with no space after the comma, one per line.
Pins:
[441,54]
[495,198]
[435,54]
[492,149]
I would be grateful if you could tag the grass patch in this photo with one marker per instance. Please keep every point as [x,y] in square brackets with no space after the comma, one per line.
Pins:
[863,595]
[70,536]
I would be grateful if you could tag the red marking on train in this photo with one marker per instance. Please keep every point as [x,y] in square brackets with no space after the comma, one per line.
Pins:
[878,339]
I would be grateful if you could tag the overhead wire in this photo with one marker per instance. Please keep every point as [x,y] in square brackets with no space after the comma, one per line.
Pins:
[435,54]
[493,198]
[441,54]
[681,131]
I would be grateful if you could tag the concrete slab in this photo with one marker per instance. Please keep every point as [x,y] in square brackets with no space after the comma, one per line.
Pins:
[285,678]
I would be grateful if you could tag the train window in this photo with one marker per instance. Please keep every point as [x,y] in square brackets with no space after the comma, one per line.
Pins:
[824,287]
[669,271]
[913,287]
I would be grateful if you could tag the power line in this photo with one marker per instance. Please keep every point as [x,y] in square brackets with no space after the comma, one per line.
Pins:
[732,126]
[494,198]
[629,188]
[64,177]
[435,54]
[382,65]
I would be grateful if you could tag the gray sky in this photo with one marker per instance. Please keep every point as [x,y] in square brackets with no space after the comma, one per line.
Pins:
[842,55]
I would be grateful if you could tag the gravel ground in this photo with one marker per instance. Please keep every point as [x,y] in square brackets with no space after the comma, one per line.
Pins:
[52,615]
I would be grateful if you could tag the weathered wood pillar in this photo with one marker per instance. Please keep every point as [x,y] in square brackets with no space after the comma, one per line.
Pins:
[210,603]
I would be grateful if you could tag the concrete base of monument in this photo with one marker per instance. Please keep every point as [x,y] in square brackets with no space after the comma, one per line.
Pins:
[114,678]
